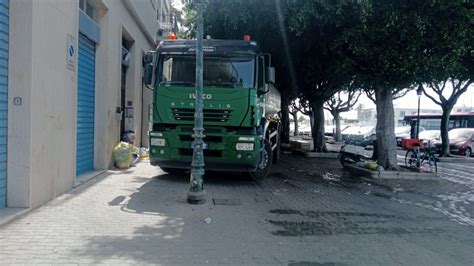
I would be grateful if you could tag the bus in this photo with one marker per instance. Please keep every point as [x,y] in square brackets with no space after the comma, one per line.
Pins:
[433,121]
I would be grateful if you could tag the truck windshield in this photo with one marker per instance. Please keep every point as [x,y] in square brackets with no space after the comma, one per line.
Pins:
[234,72]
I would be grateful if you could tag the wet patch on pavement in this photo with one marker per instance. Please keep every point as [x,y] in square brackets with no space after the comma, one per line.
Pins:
[320,223]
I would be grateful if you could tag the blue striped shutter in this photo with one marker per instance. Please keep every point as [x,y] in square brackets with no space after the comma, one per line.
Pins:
[4,15]
[85,105]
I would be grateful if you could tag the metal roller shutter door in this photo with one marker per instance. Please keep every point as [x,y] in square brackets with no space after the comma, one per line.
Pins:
[4,15]
[85,105]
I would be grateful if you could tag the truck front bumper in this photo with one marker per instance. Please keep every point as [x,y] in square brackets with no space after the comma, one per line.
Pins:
[211,166]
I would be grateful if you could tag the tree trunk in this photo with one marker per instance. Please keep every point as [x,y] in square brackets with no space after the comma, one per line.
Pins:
[317,127]
[385,129]
[444,131]
[285,120]
[337,118]
[295,122]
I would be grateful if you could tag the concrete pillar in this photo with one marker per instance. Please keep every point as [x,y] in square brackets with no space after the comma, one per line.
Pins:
[19,116]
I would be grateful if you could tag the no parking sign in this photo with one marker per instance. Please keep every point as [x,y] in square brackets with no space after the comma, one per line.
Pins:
[71,52]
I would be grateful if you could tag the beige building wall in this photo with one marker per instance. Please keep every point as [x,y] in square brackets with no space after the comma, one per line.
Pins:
[42,130]
[119,20]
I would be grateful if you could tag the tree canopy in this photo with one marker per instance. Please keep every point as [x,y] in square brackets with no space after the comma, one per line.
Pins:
[384,47]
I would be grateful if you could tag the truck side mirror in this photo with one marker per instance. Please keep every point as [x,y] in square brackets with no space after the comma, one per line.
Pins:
[270,74]
[263,90]
[148,74]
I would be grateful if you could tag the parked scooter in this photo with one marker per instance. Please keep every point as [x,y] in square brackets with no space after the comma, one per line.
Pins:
[352,154]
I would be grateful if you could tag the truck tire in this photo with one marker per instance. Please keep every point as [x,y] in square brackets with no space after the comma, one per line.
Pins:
[174,171]
[265,166]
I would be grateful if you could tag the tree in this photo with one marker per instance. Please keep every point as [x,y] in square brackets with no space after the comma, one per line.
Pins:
[384,46]
[304,108]
[447,54]
[323,68]
[340,103]
[301,119]
[285,121]
[293,110]
[458,87]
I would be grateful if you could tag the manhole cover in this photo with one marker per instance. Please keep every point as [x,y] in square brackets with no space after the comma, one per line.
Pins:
[226,201]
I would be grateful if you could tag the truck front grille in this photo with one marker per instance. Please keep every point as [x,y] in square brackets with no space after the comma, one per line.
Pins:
[210,115]
[217,139]
[207,153]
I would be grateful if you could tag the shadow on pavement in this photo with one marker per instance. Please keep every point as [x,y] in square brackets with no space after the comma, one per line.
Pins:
[210,178]
[161,200]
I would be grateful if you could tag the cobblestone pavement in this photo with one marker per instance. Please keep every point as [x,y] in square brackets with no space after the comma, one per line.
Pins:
[306,213]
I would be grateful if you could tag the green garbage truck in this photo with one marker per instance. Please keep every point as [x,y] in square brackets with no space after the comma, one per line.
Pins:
[241,106]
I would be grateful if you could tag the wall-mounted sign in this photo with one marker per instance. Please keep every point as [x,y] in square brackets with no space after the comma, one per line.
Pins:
[71,52]
[17,101]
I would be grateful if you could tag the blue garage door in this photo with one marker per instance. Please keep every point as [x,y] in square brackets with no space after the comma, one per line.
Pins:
[3,99]
[85,105]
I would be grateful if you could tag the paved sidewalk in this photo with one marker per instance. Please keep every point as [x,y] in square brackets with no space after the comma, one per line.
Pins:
[306,213]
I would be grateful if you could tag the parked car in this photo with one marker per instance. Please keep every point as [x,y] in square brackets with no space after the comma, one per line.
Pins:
[357,135]
[404,132]
[429,136]
[329,130]
[461,142]
[304,130]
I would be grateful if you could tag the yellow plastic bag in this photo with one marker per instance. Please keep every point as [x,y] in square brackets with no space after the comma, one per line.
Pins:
[122,155]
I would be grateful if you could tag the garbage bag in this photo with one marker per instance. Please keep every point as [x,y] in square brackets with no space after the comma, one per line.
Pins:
[135,155]
[135,150]
[144,153]
[122,155]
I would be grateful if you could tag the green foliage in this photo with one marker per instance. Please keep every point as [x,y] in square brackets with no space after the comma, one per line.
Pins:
[188,23]
[447,37]
[301,119]
[384,46]
[320,56]
[263,20]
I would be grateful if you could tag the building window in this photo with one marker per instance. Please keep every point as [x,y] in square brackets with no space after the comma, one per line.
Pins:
[88,7]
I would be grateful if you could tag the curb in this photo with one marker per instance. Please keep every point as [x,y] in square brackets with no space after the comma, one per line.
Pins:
[17,214]
[329,155]
[391,174]
[455,160]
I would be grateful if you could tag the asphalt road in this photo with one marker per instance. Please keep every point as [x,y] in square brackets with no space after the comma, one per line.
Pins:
[455,195]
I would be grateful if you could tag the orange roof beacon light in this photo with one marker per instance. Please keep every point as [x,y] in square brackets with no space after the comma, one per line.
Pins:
[247,37]
[172,36]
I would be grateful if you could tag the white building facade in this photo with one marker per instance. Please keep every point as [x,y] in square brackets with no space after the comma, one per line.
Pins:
[368,116]
[70,86]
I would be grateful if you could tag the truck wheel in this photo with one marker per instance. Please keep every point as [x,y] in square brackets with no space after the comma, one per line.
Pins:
[276,152]
[174,171]
[265,166]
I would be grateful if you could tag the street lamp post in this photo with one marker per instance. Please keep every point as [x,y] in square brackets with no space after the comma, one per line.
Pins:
[419,91]
[196,193]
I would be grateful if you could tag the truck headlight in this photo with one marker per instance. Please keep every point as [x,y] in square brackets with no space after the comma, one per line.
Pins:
[241,146]
[156,134]
[158,142]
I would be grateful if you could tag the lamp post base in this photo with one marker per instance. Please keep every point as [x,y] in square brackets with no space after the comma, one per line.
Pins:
[199,197]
